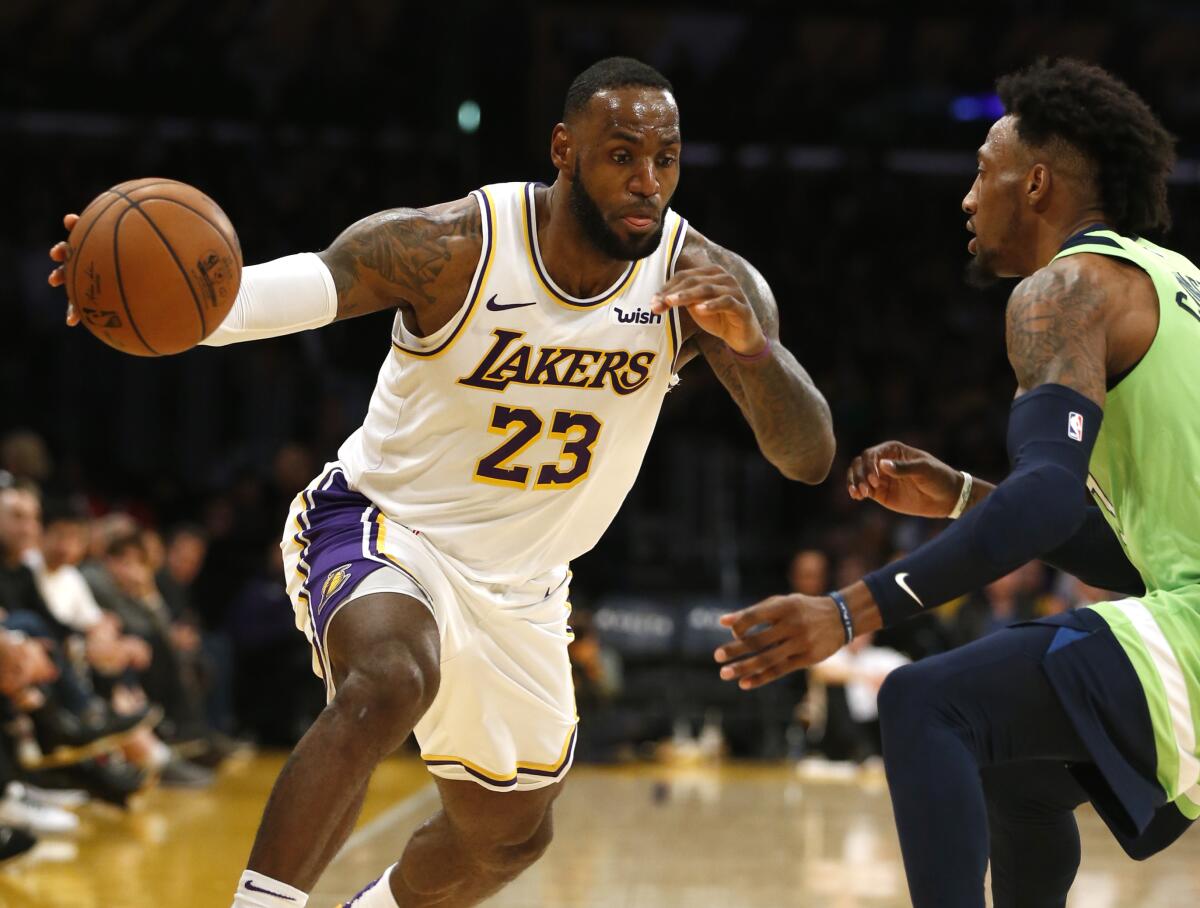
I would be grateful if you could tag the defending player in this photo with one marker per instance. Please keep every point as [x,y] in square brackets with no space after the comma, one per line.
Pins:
[1003,738]
[538,330]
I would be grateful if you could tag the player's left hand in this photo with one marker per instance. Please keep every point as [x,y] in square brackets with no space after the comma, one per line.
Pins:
[778,636]
[717,304]
[58,275]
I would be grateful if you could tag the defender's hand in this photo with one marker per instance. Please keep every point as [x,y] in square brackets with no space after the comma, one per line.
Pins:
[716,303]
[790,632]
[904,479]
[58,276]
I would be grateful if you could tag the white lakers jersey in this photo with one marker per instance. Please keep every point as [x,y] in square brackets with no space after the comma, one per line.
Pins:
[510,437]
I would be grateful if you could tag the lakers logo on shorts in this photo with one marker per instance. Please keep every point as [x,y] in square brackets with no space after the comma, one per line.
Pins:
[334,581]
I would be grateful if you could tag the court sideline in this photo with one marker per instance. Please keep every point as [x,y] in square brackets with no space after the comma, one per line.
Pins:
[733,836]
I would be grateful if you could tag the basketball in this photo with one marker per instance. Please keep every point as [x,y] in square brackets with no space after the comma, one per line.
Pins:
[154,266]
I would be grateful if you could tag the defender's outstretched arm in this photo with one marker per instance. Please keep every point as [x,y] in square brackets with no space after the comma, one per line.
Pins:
[1057,344]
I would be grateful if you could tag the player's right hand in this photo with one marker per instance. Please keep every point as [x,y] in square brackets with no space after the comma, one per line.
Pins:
[58,275]
[904,479]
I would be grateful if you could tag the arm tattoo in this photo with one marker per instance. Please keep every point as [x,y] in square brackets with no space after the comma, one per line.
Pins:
[399,257]
[789,416]
[1055,330]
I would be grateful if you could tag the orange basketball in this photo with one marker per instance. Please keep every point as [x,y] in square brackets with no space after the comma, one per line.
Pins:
[154,266]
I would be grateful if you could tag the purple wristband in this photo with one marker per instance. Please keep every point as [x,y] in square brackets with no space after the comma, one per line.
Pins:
[754,357]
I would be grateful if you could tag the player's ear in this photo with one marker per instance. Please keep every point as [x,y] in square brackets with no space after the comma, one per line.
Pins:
[1037,185]
[562,149]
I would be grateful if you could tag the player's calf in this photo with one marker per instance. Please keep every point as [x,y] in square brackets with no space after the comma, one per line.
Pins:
[504,851]
[479,842]
[456,867]
[384,651]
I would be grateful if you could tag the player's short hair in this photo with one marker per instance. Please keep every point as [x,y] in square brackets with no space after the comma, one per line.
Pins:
[610,73]
[1104,119]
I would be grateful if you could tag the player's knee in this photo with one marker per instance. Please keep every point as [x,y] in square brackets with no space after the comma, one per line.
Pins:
[1146,845]
[1139,851]
[904,693]
[910,701]
[386,696]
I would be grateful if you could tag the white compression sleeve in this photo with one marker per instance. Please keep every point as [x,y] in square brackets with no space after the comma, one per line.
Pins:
[294,293]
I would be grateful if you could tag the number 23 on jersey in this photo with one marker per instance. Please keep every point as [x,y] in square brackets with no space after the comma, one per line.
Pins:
[521,427]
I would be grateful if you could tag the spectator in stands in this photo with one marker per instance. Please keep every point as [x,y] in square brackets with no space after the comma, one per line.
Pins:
[210,649]
[809,572]
[24,455]
[54,711]
[182,630]
[858,669]
[22,666]
[118,658]
[104,530]
[1006,601]
[183,558]
[604,731]
[1071,592]
[72,716]
[124,586]
[274,697]
[595,668]
[64,539]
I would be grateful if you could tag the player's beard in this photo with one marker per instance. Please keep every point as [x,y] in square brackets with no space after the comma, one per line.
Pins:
[980,273]
[984,269]
[596,228]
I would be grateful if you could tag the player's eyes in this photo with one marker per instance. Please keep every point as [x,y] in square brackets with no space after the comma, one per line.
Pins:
[666,162]
[621,157]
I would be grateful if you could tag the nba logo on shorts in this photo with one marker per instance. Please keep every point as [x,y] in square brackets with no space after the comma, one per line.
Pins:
[1075,426]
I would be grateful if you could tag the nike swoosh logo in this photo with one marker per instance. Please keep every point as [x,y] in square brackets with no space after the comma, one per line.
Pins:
[908,589]
[278,895]
[500,307]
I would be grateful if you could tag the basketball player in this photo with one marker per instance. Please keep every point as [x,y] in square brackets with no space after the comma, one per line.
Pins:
[1001,740]
[537,330]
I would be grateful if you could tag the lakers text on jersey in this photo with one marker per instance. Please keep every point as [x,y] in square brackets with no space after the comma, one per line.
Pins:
[510,437]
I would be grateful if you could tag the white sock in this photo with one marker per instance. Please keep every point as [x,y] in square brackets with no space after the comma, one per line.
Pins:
[257,890]
[377,895]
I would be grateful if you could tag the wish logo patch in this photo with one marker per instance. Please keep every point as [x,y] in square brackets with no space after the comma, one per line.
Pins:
[635,316]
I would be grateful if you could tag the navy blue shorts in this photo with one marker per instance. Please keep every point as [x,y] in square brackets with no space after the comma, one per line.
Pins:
[1102,695]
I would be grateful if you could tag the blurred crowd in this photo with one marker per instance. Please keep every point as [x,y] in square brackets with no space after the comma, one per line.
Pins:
[115,675]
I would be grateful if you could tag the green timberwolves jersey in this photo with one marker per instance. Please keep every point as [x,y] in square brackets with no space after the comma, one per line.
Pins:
[1145,476]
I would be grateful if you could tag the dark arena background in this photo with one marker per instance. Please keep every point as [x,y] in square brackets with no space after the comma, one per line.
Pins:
[831,148]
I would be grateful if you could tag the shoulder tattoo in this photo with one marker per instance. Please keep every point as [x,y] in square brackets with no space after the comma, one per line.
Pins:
[1054,330]
[399,256]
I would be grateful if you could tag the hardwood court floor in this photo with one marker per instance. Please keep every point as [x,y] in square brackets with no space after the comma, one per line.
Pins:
[740,836]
